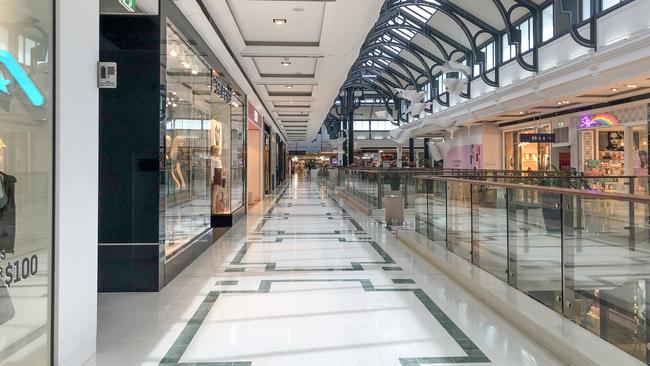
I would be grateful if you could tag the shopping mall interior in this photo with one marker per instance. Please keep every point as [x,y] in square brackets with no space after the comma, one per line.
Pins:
[324,182]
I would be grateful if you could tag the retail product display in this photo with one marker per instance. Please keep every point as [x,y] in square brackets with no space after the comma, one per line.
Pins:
[7,212]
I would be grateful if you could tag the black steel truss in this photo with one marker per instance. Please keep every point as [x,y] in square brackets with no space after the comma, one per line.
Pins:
[391,59]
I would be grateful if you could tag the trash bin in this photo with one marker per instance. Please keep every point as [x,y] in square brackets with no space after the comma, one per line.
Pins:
[394,207]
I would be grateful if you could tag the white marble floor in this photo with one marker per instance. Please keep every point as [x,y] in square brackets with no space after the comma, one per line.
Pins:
[304,281]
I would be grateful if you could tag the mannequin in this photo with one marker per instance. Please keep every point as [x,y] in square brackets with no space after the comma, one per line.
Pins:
[176,156]
[218,180]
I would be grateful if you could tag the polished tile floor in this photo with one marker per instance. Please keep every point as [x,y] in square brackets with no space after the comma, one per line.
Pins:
[304,281]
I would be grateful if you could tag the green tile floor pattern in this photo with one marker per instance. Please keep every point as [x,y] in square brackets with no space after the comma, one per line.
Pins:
[474,354]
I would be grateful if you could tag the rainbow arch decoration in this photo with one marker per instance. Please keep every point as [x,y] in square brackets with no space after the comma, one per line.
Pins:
[599,120]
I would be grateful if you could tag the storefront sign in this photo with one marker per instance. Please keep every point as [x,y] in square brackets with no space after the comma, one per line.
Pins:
[599,120]
[129,5]
[537,137]
[222,91]
[20,77]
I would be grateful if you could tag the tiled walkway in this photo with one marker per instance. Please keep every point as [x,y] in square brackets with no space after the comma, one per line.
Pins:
[308,283]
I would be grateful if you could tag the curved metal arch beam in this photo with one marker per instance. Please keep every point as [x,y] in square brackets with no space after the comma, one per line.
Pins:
[405,47]
[361,60]
[444,8]
[451,7]
[424,69]
[364,84]
[397,58]
[385,86]
[410,45]
[380,74]
[514,34]
[388,84]
[380,31]
[574,19]
[388,70]
[369,85]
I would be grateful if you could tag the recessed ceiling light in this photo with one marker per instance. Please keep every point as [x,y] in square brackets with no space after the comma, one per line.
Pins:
[614,89]
[280,21]
[563,102]
[173,53]
[174,105]
[291,102]
[186,65]
[289,86]
[632,86]
[522,112]
[285,63]
[194,72]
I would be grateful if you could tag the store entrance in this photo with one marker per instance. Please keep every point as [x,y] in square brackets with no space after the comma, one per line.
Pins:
[524,156]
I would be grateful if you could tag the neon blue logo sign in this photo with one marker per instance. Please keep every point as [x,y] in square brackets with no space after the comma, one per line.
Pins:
[20,77]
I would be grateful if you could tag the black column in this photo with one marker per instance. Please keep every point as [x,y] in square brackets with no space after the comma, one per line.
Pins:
[411,151]
[129,176]
[345,144]
[426,150]
[350,110]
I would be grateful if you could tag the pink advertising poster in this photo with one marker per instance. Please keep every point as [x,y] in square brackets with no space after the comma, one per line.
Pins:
[464,157]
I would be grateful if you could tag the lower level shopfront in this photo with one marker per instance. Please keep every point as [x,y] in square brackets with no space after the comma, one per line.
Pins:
[609,142]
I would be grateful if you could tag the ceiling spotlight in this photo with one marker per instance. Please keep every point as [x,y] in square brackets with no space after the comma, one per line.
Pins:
[291,102]
[285,62]
[289,86]
[632,86]
[186,65]
[174,105]
[280,21]
[563,102]
[173,53]
[173,93]
[614,89]
[194,72]
[522,112]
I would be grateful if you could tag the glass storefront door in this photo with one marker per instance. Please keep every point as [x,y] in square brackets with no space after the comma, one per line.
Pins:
[26,171]
[524,156]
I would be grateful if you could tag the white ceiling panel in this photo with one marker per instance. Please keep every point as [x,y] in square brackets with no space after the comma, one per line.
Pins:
[304,21]
[298,66]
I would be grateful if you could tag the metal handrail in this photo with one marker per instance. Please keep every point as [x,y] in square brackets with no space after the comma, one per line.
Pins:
[578,192]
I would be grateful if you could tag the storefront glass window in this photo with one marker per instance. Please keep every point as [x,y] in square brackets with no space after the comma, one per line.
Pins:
[527,155]
[185,146]
[26,170]
[238,167]
[220,149]
[639,150]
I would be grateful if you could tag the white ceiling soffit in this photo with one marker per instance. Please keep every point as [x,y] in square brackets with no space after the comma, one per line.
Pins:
[296,67]
[196,17]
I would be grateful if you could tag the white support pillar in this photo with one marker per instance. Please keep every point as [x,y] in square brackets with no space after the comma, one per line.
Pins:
[76,181]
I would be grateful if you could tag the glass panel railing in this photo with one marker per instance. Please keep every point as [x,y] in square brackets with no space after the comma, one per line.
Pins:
[459,219]
[490,229]
[534,229]
[582,253]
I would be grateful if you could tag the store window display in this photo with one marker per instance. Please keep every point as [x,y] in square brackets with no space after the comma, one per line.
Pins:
[186,134]
[525,156]
[26,171]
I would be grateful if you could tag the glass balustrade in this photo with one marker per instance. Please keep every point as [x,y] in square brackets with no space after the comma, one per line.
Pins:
[584,254]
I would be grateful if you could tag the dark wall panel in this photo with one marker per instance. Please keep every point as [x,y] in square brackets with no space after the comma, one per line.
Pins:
[129,131]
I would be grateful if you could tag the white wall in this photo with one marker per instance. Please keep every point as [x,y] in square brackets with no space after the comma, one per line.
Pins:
[254,169]
[77,128]
[492,147]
